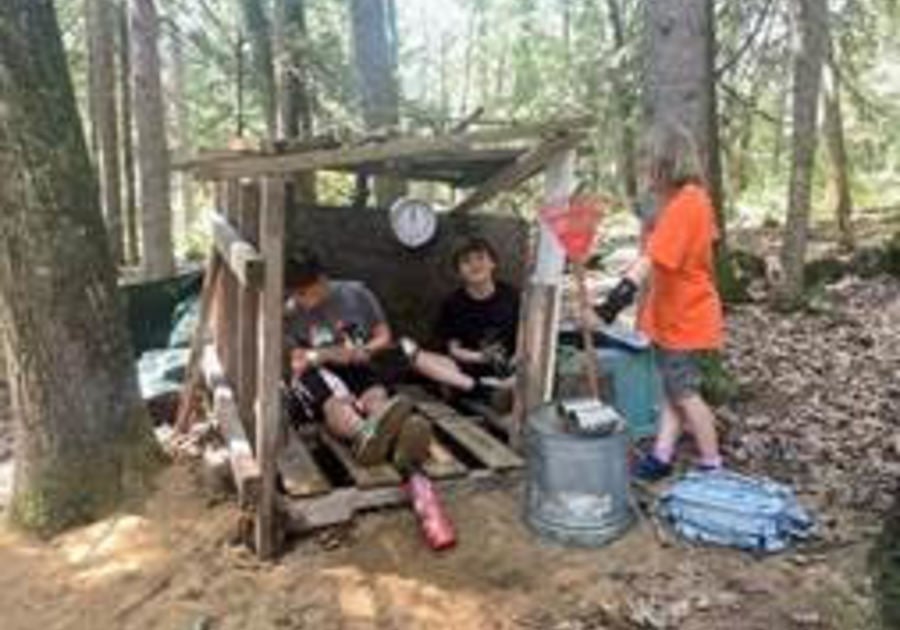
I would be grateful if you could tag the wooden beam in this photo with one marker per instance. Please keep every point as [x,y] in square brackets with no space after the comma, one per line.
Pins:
[524,168]
[282,164]
[464,431]
[192,377]
[227,331]
[338,506]
[363,476]
[299,472]
[248,309]
[244,466]
[241,256]
[271,241]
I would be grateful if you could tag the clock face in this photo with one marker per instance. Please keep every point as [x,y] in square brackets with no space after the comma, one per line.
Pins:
[413,221]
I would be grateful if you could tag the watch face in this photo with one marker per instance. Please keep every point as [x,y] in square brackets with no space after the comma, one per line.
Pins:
[414,222]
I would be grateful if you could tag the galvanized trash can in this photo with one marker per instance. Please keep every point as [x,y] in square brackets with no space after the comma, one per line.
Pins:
[577,488]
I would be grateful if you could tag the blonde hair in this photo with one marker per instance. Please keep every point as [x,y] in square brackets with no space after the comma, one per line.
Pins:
[670,152]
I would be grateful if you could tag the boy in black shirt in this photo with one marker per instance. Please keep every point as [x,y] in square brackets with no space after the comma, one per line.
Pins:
[479,321]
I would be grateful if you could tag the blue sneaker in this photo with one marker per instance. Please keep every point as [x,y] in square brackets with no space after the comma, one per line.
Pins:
[650,468]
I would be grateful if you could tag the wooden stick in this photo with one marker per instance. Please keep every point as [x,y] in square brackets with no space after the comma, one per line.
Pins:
[587,335]
[192,371]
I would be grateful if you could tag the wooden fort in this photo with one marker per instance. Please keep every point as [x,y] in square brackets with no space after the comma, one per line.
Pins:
[295,479]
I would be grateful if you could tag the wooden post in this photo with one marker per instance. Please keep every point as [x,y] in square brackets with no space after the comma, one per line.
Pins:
[540,315]
[227,343]
[271,243]
[248,309]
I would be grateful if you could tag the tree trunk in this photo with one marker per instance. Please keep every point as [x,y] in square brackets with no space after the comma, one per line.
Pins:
[810,49]
[127,135]
[82,429]
[102,70]
[377,79]
[256,25]
[624,105]
[181,126]
[837,150]
[680,85]
[153,157]
[291,43]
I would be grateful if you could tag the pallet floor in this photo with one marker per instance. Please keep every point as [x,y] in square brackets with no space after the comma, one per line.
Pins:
[322,485]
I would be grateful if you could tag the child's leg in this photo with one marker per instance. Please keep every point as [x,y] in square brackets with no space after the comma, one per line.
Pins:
[700,418]
[442,369]
[670,427]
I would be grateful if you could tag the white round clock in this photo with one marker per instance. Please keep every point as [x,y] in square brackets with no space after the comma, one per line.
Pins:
[413,221]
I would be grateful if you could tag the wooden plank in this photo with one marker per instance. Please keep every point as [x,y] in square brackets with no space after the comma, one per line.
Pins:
[339,506]
[244,466]
[241,256]
[442,464]
[523,169]
[187,404]
[485,447]
[363,476]
[282,164]
[248,309]
[502,422]
[227,334]
[300,474]
[271,240]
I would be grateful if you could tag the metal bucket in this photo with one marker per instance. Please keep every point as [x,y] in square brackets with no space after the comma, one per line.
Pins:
[577,490]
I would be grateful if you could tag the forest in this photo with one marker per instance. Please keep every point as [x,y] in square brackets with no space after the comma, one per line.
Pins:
[167,166]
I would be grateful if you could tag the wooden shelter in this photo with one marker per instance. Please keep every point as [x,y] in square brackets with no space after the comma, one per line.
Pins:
[279,478]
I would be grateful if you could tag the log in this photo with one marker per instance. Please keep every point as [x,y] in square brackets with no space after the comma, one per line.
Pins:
[246,471]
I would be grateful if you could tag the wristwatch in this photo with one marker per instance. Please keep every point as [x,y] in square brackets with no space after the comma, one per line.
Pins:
[313,357]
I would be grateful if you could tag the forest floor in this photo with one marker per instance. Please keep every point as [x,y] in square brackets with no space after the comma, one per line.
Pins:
[817,405]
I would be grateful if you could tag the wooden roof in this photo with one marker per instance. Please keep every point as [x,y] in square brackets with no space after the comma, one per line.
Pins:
[504,156]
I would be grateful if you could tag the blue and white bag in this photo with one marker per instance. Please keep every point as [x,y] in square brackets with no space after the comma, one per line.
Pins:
[725,508]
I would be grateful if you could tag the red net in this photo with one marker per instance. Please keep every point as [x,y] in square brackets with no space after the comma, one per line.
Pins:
[575,222]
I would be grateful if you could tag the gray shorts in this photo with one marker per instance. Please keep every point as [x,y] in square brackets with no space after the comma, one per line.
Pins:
[680,372]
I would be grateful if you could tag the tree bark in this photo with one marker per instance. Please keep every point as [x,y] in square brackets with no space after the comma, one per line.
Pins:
[377,79]
[82,432]
[680,79]
[153,156]
[680,85]
[256,26]
[810,48]
[102,70]
[127,135]
[837,149]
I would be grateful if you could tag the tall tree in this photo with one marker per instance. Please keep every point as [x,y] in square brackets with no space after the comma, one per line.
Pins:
[102,69]
[680,78]
[82,430]
[259,33]
[834,141]
[132,255]
[374,54]
[623,99]
[810,47]
[153,155]
[292,53]
[181,127]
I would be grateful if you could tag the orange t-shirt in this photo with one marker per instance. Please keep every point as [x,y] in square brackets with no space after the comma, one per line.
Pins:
[682,310]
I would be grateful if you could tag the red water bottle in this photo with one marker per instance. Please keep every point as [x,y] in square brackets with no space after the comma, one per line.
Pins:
[433,519]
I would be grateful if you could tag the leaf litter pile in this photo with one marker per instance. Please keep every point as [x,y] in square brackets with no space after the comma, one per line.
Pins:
[818,402]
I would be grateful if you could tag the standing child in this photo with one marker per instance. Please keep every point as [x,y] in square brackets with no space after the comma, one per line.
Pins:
[681,311]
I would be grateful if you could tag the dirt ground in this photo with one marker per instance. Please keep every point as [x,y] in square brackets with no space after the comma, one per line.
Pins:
[171,566]
[170,563]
